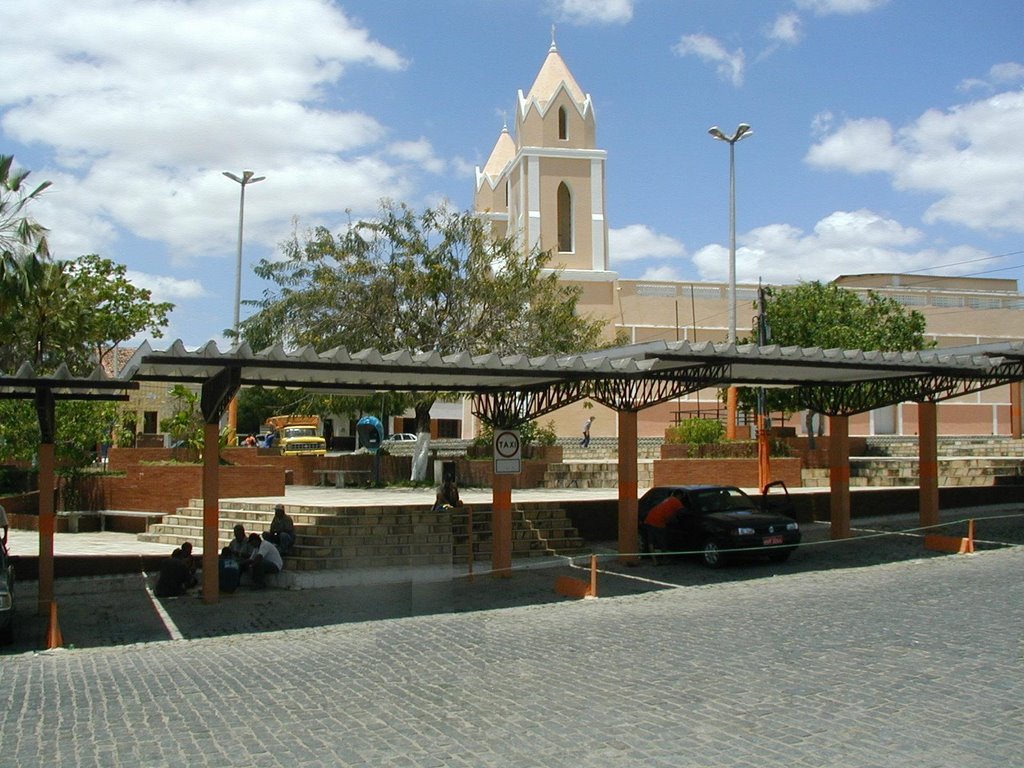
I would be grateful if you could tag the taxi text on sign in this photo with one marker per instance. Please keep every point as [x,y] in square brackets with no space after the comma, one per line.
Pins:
[508,452]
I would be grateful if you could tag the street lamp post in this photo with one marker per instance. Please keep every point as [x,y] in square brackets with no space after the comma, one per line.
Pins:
[741,133]
[247,177]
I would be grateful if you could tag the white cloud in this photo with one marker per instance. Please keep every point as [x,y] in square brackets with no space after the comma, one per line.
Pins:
[584,12]
[145,102]
[637,241]
[786,29]
[730,65]
[662,273]
[846,7]
[419,152]
[859,146]
[845,242]
[167,288]
[963,155]
[999,75]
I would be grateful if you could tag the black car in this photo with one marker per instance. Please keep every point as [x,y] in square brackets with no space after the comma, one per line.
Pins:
[718,520]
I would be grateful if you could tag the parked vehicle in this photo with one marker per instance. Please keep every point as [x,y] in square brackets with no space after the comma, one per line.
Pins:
[402,437]
[6,598]
[721,522]
[297,435]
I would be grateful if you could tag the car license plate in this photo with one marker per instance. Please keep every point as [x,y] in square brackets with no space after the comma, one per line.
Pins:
[770,540]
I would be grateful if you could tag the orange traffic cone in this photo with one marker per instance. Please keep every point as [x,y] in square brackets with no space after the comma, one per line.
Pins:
[54,639]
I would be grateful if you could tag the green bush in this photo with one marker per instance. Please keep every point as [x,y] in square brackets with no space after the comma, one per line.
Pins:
[696,432]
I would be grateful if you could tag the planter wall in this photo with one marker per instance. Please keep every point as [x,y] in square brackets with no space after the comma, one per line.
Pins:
[738,472]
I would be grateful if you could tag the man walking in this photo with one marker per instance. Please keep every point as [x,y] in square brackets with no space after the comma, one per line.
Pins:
[585,442]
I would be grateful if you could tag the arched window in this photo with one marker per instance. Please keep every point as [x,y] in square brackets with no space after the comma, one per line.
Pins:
[563,124]
[564,218]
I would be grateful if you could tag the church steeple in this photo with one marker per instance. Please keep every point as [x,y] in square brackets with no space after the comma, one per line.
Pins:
[546,185]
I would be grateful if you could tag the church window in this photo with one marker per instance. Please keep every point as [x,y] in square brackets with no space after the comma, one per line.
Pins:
[564,218]
[563,124]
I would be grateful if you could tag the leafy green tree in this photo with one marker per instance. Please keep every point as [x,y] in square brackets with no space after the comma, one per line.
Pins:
[816,314]
[54,312]
[185,425]
[437,280]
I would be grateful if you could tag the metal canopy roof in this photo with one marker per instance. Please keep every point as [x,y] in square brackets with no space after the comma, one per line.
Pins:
[26,383]
[370,370]
[833,381]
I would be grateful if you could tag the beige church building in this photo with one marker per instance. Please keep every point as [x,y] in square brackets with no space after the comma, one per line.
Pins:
[545,185]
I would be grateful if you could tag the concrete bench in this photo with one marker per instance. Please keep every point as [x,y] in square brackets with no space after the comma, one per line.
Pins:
[341,476]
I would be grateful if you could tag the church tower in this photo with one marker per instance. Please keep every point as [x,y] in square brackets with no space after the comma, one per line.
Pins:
[545,185]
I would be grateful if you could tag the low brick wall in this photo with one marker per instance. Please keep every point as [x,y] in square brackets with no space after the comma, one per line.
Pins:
[481,473]
[739,472]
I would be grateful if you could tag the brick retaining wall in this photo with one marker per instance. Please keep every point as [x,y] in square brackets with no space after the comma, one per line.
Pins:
[739,472]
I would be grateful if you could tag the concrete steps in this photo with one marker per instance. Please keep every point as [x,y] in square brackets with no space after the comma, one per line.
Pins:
[593,474]
[373,537]
[897,471]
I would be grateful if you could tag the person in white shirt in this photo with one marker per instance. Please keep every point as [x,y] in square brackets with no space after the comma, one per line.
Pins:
[265,559]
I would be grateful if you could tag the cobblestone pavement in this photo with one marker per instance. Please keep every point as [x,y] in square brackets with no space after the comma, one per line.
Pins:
[863,653]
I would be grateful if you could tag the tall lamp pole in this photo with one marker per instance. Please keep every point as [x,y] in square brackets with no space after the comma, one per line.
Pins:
[741,133]
[247,177]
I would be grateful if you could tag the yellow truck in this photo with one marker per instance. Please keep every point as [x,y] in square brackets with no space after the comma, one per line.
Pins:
[298,435]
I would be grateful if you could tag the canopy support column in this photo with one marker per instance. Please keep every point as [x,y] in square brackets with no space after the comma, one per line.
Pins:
[628,487]
[839,475]
[501,526]
[45,411]
[928,462]
[1016,390]
[217,392]
[211,512]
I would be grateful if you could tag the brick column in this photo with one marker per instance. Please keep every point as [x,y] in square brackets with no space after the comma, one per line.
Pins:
[628,487]
[47,523]
[501,526]
[839,475]
[211,512]
[928,462]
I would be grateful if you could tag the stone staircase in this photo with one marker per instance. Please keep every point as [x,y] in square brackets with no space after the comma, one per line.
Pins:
[897,471]
[538,530]
[594,474]
[356,537]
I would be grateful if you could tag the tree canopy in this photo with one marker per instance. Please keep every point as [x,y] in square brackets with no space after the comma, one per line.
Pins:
[816,314]
[431,281]
[54,311]
[437,280]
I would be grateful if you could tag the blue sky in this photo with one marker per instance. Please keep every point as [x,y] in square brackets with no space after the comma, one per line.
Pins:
[888,135]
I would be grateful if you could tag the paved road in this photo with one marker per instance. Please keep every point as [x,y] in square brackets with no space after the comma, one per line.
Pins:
[866,653]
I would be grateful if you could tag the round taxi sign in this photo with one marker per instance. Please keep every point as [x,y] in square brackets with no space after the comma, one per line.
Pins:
[506,444]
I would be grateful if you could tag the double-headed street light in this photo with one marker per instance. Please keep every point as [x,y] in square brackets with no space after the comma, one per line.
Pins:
[741,133]
[247,177]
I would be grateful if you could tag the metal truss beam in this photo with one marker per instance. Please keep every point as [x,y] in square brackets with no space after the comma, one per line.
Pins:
[511,408]
[850,399]
[636,393]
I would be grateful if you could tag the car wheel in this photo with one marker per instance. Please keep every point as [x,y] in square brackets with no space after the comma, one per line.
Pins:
[712,554]
[7,634]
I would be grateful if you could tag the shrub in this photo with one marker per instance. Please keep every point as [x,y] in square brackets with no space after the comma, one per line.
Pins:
[696,432]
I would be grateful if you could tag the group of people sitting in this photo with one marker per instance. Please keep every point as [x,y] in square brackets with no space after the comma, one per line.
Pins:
[251,553]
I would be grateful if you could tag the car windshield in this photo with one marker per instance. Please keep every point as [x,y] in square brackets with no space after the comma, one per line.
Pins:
[720,500]
[300,432]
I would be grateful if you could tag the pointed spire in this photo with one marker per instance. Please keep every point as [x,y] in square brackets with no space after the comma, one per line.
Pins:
[553,46]
[553,73]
